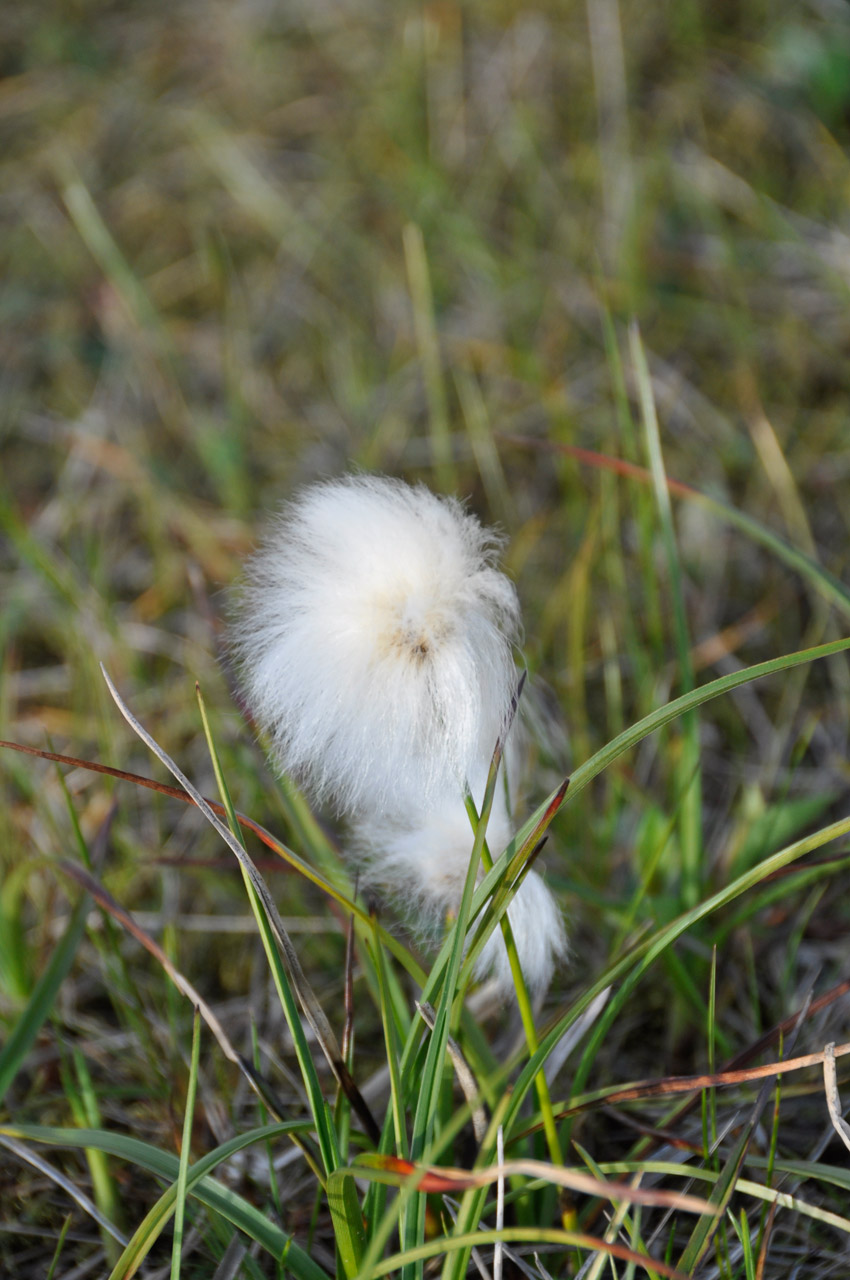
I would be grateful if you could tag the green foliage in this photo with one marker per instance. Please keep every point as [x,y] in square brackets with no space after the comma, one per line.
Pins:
[587,265]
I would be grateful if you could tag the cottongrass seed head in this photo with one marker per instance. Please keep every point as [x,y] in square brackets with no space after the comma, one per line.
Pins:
[375,642]
[374,638]
[422,860]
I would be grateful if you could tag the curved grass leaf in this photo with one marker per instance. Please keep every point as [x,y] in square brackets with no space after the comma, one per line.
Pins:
[650,948]
[40,1003]
[347,1219]
[831,587]
[517,1235]
[162,1164]
[618,746]
[401,953]
[746,1186]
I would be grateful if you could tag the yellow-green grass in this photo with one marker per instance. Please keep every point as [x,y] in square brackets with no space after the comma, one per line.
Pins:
[587,265]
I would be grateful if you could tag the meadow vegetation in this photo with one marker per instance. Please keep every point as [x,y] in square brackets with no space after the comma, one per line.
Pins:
[587,265]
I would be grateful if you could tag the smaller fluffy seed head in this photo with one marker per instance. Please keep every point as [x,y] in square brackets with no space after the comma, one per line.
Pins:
[374,641]
[423,859]
[538,930]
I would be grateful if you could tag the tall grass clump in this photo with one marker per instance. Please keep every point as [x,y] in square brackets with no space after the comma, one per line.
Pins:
[348,926]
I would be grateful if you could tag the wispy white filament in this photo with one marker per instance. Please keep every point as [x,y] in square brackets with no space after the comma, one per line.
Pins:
[374,639]
[422,859]
[375,642]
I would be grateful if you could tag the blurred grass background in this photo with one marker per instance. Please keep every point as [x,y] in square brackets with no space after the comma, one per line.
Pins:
[248,244]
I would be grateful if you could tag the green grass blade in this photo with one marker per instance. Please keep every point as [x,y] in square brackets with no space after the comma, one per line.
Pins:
[43,998]
[200,1184]
[688,763]
[422,299]
[705,1230]
[392,1052]
[82,1095]
[185,1148]
[650,948]
[347,1219]
[522,996]
[829,586]
[220,781]
[630,737]
[325,1132]
[57,1253]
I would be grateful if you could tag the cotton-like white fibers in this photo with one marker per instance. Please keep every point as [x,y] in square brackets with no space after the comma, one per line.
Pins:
[374,640]
[423,859]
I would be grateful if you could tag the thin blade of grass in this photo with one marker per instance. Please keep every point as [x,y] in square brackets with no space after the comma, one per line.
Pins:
[650,948]
[185,1148]
[833,1101]
[669,1086]
[520,987]
[276,934]
[79,1089]
[215,1195]
[60,1243]
[706,1228]
[585,773]
[688,764]
[422,300]
[40,1004]
[746,1186]
[443,1180]
[392,944]
[830,586]
[19,1149]
[392,1049]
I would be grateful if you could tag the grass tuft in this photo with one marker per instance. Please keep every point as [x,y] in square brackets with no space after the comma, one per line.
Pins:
[585,266]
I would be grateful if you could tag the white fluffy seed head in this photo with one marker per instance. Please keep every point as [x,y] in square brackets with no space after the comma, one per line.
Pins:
[373,635]
[422,859]
[538,930]
[374,643]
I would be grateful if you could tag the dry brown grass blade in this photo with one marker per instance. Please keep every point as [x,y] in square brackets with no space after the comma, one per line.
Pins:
[175,793]
[776,1033]
[436,1178]
[290,859]
[694,1084]
[107,903]
[782,1029]
[833,1101]
[522,860]
[654,1138]
[590,457]
[765,1243]
[311,1008]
